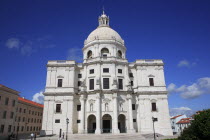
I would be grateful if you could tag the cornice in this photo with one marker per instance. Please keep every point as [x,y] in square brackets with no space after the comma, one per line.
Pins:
[105,62]
[58,93]
[151,92]
[99,41]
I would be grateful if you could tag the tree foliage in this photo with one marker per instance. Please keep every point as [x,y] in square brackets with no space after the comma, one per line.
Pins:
[199,128]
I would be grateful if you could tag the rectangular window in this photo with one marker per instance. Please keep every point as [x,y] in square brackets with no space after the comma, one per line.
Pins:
[4,114]
[2,129]
[130,74]
[28,119]
[106,83]
[18,119]
[155,119]
[17,128]
[58,108]
[104,56]
[22,128]
[57,120]
[24,111]
[91,71]
[27,128]
[120,82]
[29,112]
[91,86]
[9,128]
[154,108]
[79,83]
[134,120]
[105,70]
[119,70]
[78,107]
[133,107]
[6,101]
[151,81]
[79,75]
[13,103]
[60,82]
[78,121]
[32,119]
[11,115]
[23,119]
[131,83]
[20,109]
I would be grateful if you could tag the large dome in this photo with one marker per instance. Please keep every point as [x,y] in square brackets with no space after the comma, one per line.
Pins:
[104,33]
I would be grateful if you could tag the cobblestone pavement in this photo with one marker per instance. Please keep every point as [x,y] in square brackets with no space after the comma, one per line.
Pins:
[135,136]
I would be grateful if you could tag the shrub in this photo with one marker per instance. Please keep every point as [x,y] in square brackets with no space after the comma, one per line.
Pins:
[199,128]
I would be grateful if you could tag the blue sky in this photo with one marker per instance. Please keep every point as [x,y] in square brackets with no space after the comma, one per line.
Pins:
[177,31]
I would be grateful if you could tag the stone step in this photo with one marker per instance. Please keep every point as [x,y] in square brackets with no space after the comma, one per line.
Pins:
[106,136]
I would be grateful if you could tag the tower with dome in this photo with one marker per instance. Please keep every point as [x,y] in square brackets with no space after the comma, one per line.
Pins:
[105,93]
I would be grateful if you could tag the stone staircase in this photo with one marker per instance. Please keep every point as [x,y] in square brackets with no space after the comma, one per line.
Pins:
[125,136]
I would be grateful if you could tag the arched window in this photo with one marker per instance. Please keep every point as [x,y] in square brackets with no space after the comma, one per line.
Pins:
[89,54]
[104,52]
[106,107]
[91,107]
[119,54]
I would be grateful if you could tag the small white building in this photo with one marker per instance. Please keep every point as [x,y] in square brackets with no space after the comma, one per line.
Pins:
[183,123]
[174,120]
[105,93]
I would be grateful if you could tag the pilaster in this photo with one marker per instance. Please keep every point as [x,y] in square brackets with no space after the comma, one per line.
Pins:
[131,128]
[98,114]
[115,129]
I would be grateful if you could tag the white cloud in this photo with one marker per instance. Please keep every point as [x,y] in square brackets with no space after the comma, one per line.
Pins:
[38,97]
[186,63]
[13,43]
[27,46]
[180,111]
[201,86]
[75,54]
[27,49]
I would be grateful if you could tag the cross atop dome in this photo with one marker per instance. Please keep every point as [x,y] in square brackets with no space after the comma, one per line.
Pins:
[103,20]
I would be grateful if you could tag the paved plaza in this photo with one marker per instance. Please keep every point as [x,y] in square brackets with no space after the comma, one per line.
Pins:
[105,137]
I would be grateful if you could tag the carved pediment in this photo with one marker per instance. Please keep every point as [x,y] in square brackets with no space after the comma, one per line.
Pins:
[60,76]
[106,100]
[91,101]
[151,75]
[58,101]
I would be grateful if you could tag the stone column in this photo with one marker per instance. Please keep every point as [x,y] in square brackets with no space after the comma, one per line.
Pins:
[82,115]
[140,112]
[70,113]
[98,114]
[130,111]
[115,129]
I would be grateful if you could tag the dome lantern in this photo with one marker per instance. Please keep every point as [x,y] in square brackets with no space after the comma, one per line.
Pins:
[103,20]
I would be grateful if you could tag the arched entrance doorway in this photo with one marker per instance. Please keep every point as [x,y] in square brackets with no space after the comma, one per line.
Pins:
[106,123]
[91,124]
[121,123]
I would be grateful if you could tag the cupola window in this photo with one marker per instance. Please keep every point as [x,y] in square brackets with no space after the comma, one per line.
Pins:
[104,52]
[89,54]
[119,54]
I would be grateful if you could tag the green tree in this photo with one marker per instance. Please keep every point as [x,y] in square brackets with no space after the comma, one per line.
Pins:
[199,128]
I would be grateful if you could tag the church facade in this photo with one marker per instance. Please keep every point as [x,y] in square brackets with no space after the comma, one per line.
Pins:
[105,93]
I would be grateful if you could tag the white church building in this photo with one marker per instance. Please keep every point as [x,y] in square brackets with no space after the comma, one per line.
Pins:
[105,93]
